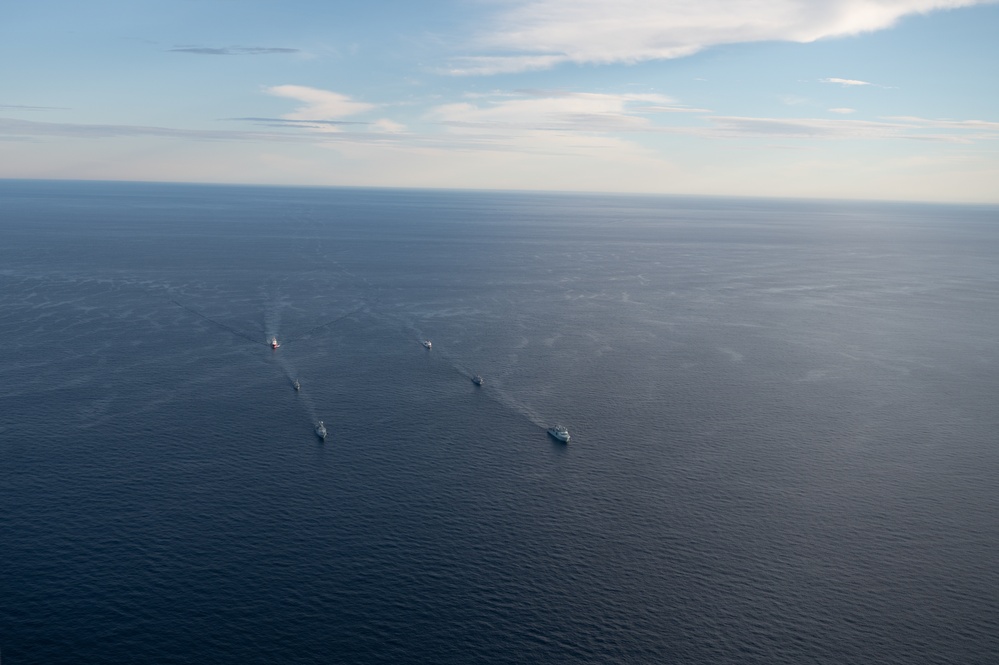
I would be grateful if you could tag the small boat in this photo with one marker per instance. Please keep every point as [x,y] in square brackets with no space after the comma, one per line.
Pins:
[477,380]
[274,343]
[298,386]
[560,433]
[427,344]
[321,430]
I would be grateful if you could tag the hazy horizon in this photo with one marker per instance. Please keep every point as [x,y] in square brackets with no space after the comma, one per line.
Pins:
[540,192]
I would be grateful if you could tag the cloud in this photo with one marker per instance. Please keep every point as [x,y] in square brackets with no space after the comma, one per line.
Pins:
[910,128]
[486,65]
[809,128]
[794,100]
[546,123]
[26,128]
[234,50]
[529,121]
[949,124]
[558,111]
[318,105]
[557,124]
[24,107]
[540,34]
[843,111]
[845,82]
[285,122]
[387,126]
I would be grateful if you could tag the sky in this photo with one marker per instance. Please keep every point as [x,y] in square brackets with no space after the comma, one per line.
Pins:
[854,99]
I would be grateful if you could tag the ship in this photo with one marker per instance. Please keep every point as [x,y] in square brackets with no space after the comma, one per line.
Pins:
[274,343]
[427,344]
[559,433]
[321,430]
[477,380]
[298,386]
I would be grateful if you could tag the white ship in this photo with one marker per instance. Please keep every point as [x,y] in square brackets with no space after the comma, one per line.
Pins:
[560,433]
[321,430]
[427,344]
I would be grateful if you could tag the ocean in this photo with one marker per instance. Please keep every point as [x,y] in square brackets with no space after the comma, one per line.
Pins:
[785,440]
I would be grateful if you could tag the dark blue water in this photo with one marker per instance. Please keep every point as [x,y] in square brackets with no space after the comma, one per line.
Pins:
[783,415]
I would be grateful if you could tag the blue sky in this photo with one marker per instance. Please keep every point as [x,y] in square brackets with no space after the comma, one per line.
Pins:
[876,99]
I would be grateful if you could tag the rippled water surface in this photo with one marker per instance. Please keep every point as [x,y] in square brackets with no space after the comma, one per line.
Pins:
[785,440]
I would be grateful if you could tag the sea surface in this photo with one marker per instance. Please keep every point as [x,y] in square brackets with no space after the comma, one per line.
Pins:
[784,419]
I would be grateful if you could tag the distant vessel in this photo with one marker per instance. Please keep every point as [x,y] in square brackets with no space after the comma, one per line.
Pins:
[321,430]
[560,433]
[477,380]
[298,386]
[274,343]
[427,344]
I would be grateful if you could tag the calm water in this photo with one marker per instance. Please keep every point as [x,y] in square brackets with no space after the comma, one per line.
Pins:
[783,414]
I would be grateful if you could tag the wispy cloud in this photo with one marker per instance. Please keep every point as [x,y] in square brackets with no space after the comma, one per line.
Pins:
[511,117]
[387,126]
[285,122]
[561,111]
[536,122]
[540,34]
[27,130]
[845,82]
[234,50]
[949,124]
[794,100]
[908,128]
[10,127]
[486,65]
[322,109]
[318,106]
[803,128]
[25,107]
